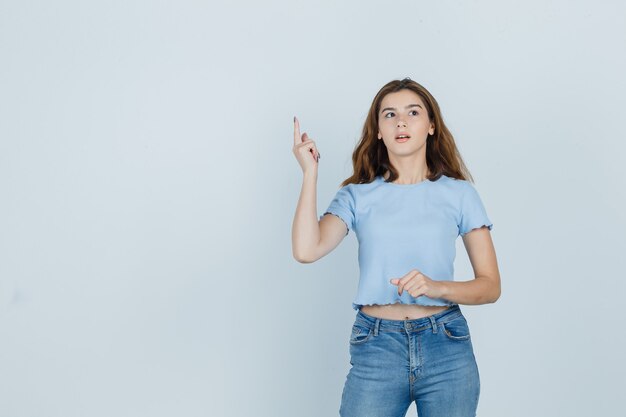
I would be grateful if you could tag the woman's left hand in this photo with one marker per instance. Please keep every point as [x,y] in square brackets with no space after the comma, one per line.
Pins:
[416,284]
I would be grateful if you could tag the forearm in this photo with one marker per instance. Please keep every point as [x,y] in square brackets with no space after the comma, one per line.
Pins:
[305,233]
[473,292]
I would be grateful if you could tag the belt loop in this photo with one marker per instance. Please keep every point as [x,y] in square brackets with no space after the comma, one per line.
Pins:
[434,323]
[376,326]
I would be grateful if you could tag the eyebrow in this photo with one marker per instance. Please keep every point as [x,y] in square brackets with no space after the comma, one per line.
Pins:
[407,107]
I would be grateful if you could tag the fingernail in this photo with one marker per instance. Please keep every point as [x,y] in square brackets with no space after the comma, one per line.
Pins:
[294,119]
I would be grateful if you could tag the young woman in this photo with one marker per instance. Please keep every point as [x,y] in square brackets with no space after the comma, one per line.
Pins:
[408,200]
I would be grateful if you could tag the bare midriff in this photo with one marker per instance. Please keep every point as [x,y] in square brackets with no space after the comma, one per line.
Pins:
[400,311]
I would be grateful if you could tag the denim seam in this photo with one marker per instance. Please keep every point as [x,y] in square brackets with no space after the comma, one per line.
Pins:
[371,326]
[451,336]
[359,341]
[455,337]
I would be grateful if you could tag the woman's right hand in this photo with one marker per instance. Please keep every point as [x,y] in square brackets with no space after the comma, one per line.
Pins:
[304,149]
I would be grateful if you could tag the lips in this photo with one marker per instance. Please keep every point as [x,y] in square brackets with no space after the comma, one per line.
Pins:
[402,137]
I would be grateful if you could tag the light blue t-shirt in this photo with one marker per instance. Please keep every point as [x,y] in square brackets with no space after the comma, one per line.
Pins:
[401,227]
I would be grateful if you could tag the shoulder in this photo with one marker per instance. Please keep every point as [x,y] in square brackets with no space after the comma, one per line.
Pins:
[357,189]
[453,185]
[456,191]
[460,185]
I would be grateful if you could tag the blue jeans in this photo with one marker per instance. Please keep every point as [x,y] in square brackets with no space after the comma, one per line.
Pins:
[429,360]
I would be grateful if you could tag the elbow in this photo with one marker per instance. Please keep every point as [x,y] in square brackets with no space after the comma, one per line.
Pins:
[307,254]
[302,258]
[496,295]
[489,292]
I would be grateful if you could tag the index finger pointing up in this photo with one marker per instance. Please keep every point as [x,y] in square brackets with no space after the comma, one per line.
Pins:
[296,131]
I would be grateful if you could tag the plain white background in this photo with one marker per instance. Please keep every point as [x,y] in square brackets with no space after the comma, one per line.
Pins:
[148,187]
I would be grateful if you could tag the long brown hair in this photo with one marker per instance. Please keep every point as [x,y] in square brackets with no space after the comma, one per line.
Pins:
[370,157]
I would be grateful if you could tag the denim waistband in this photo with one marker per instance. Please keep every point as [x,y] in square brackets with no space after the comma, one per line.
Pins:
[410,324]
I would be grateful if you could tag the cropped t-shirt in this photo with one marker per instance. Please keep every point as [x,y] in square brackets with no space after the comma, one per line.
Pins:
[401,227]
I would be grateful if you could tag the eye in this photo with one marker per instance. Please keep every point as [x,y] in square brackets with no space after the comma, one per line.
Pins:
[416,113]
[388,114]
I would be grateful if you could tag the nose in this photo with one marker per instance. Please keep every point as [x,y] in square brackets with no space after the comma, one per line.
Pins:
[401,123]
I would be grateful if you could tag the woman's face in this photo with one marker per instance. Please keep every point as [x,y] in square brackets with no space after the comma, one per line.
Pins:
[403,112]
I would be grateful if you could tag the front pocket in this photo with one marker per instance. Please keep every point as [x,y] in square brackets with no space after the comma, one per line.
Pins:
[456,329]
[360,334]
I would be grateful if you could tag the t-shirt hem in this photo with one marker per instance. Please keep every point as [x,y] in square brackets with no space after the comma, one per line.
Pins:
[358,305]
[486,223]
[341,215]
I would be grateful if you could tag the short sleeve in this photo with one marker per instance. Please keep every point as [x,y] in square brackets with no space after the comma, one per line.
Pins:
[342,206]
[473,213]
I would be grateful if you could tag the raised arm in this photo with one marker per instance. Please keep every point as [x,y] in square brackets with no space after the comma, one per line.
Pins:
[311,239]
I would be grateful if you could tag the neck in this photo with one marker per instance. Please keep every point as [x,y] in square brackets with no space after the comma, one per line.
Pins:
[412,177]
